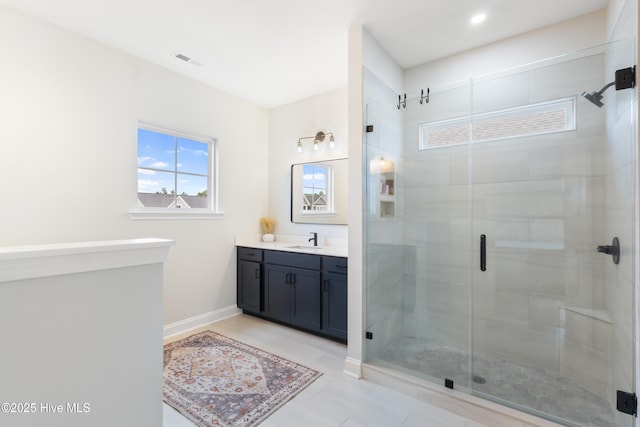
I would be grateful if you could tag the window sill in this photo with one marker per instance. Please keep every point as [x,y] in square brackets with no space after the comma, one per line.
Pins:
[180,214]
[318,214]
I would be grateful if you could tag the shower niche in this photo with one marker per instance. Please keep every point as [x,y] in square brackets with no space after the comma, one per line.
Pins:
[383,172]
[523,159]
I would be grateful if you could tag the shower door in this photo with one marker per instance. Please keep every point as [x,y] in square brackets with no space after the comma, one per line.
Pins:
[485,210]
[552,180]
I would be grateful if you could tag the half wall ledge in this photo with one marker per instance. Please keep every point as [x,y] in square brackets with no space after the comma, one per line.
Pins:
[35,261]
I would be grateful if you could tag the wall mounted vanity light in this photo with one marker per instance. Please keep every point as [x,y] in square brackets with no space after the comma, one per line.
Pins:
[318,139]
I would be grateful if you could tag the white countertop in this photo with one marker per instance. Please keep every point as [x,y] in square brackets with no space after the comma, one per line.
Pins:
[298,244]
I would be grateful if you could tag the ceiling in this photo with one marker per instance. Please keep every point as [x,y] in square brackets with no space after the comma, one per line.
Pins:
[273,52]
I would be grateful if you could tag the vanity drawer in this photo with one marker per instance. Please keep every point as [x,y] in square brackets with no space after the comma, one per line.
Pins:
[290,259]
[250,254]
[335,264]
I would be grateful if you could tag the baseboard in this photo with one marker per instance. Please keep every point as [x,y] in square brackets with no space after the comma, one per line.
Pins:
[195,322]
[353,367]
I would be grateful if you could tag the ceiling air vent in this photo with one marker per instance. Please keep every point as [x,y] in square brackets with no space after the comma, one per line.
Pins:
[185,58]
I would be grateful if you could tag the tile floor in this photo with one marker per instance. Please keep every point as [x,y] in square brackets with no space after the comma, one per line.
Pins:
[335,399]
[543,390]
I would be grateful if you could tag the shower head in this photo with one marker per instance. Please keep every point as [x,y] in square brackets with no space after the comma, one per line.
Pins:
[625,78]
[621,82]
[594,97]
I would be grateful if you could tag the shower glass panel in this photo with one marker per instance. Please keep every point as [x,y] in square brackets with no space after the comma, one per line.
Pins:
[541,321]
[418,241]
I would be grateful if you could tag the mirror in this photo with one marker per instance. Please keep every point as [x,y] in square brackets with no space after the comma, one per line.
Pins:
[319,192]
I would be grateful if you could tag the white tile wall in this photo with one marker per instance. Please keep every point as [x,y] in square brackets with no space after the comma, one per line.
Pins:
[561,80]
[585,365]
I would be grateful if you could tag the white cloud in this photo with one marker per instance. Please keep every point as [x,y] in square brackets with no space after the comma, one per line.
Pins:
[159,165]
[193,151]
[147,185]
[146,172]
[142,160]
[314,176]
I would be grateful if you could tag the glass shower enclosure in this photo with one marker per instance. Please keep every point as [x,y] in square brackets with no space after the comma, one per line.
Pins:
[487,202]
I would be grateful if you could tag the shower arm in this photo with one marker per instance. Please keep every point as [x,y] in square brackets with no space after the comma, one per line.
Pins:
[601,91]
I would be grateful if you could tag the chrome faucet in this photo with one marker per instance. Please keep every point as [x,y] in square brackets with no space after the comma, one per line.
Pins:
[314,239]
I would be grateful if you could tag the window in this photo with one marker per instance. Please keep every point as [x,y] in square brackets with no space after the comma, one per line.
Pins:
[529,120]
[319,192]
[316,188]
[175,174]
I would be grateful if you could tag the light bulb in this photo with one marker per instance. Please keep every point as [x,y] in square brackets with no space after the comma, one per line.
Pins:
[316,146]
[479,18]
[331,142]
[299,147]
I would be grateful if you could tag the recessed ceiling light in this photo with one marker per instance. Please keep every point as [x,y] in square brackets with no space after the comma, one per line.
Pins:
[478,18]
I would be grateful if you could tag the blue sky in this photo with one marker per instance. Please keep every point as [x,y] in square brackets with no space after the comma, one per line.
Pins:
[314,178]
[158,151]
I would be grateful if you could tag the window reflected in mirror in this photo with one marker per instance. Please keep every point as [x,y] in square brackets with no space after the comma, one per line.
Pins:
[316,190]
[319,192]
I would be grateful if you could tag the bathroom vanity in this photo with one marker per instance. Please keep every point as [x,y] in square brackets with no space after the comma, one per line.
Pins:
[303,290]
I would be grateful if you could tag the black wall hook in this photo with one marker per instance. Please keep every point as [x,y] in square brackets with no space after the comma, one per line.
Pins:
[424,98]
[401,102]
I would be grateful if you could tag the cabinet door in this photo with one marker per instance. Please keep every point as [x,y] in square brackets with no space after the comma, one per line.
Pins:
[306,298]
[334,305]
[277,292]
[249,289]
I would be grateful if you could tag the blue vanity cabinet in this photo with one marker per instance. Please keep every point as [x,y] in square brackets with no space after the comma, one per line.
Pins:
[277,292]
[249,283]
[305,291]
[334,297]
[292,289]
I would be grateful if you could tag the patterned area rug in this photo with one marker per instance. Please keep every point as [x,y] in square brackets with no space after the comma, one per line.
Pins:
[216,381]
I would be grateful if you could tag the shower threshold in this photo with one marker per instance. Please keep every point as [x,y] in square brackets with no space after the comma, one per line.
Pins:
[544,393]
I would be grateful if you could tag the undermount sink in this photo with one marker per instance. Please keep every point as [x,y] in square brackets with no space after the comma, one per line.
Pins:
[305,247]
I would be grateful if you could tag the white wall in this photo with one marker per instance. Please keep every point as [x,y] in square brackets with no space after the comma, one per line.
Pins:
[326,112]
[622,19]
[68,115]
[565,37]
[365,55]
[381,64]
[82,325]
[356,298]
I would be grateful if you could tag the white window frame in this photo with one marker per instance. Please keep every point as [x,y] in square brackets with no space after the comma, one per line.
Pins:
[213,209]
